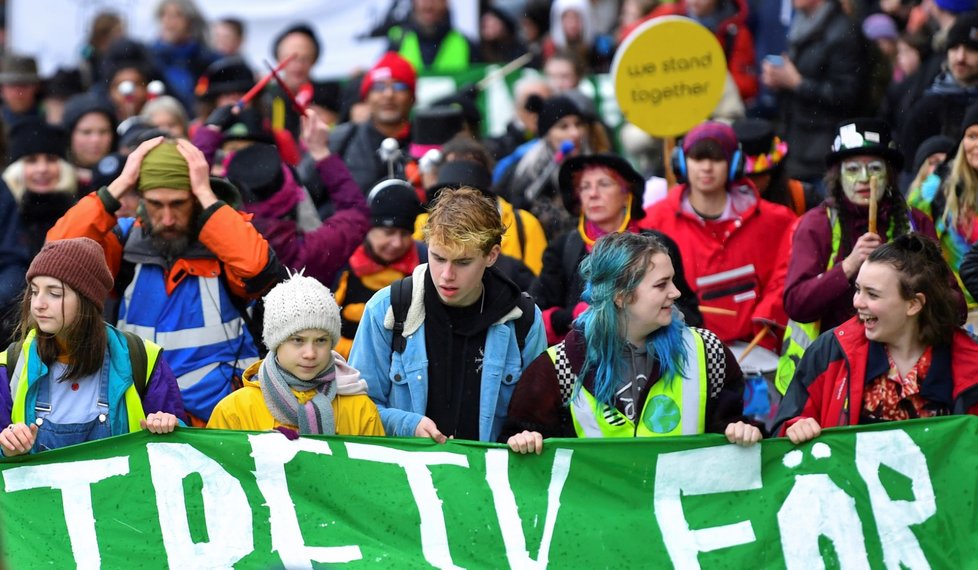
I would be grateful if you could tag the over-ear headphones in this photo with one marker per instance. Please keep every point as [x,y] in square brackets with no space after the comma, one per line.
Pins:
[735,171]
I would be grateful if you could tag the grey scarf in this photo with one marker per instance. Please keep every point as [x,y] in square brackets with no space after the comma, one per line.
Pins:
[316,416]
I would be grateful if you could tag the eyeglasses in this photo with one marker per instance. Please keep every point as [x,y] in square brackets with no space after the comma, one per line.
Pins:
[861,170]
[381,86]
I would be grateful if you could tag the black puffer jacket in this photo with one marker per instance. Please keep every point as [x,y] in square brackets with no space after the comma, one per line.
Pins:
[832,64]
[357,145]
[940,112]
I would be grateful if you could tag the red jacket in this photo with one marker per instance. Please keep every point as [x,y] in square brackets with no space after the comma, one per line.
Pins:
[730,265]
[828,384]
[814,293]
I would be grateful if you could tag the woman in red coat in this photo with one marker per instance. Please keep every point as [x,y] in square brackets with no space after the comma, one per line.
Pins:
[901,357]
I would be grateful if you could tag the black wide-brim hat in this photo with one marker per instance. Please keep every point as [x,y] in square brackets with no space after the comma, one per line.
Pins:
[571,166]
[867,136]
[256,171]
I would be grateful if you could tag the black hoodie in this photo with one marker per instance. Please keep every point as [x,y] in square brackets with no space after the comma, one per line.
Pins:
[455,339]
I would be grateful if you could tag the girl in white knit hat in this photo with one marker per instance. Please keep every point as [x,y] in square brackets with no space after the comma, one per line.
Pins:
[302,386]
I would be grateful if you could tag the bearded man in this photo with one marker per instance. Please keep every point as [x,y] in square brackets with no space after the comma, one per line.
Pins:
[186,267]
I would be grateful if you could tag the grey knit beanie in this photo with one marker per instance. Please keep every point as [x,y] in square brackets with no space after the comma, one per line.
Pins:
[296,304]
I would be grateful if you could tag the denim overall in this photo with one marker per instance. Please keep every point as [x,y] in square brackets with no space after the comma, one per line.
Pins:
[51,435]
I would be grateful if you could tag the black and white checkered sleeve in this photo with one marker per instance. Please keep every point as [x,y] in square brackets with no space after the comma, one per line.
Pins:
[716,362]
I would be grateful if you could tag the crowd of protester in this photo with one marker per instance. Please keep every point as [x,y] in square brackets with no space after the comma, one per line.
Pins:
[330,257]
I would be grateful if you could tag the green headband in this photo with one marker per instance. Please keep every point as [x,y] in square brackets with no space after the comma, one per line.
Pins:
[164,167]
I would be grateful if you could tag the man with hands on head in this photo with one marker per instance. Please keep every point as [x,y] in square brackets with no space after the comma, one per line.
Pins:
[185,269]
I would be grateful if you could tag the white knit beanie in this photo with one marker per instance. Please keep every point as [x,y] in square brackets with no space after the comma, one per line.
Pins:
[296,304]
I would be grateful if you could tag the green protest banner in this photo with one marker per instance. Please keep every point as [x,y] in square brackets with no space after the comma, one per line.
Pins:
[885,496]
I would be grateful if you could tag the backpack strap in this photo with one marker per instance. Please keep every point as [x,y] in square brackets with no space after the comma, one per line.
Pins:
[573,252]
[13,354]
[138,360]
[523,324]
[400,302]
[797,196]
[127,269]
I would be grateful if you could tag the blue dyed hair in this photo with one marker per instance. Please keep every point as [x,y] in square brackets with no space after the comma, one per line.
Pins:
[613,270]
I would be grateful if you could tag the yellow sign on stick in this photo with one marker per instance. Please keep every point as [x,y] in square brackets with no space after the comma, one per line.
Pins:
[669,75]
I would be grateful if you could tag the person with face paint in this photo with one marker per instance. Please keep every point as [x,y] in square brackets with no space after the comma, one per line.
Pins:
[832,241]
[901,357]
[949,197]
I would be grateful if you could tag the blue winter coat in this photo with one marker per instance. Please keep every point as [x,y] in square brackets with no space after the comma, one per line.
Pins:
[398,382]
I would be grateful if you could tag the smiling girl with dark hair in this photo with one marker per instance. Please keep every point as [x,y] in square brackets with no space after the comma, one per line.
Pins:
[901,357]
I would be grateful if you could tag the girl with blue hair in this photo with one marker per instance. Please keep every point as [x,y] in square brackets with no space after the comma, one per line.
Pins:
[629,367]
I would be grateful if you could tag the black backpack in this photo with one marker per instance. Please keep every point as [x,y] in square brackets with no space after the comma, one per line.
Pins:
[401,301]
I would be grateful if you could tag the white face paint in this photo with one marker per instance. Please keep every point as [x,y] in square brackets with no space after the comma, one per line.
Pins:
[855,174]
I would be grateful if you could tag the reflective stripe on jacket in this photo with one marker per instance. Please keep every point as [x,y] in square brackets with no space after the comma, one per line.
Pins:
[206,340]
[799,336]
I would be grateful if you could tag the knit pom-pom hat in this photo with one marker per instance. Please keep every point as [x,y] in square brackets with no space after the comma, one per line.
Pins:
[297,304]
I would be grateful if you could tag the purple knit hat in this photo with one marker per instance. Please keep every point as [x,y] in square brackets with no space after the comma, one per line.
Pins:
[722,133]
[880,26]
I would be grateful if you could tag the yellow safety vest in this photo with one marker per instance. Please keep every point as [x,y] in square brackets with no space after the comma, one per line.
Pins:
[19,384]
[673,407]
[452,56]
[799,336]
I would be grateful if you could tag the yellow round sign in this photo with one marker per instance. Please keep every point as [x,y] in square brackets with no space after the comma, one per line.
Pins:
[669,75]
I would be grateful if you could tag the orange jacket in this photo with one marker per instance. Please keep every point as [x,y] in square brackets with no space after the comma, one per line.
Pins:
[225,232]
